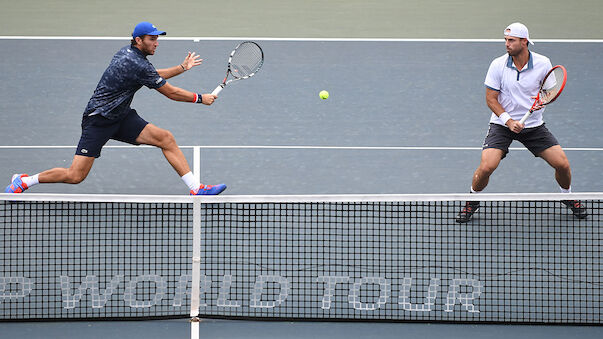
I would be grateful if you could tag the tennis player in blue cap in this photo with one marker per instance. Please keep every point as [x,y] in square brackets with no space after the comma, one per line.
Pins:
[109,115]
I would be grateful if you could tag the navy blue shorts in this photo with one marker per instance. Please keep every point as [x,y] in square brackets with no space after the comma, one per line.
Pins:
[535,139]
[97,130]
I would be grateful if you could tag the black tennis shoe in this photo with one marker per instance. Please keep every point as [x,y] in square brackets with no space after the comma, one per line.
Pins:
[467,212]
[577,208]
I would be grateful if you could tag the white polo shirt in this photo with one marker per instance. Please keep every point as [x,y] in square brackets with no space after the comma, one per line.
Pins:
[517,87]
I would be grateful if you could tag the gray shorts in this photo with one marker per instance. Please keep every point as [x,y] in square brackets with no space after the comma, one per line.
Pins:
[536,139]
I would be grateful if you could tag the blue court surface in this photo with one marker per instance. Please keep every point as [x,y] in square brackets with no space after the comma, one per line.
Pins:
[402,117]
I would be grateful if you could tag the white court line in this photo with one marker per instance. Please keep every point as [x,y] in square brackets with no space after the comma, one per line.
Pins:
[300,147]
[197,39]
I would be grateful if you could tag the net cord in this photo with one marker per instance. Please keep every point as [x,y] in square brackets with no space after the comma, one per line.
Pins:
[301,198]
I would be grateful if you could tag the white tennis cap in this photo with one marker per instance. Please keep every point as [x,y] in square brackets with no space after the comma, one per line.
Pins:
[518,30]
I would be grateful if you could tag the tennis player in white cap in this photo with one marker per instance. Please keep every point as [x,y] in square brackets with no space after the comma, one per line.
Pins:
[512,82]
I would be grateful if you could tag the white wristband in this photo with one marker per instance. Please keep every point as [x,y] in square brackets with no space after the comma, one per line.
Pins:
[504,117]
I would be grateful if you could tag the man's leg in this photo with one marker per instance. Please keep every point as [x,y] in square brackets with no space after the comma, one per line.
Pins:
[555,156]
[76,173]
[490,160]
[164,139]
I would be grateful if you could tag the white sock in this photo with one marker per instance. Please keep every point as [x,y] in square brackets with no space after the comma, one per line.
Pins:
[190,181]
[474,191]
[563,190]
[31,181]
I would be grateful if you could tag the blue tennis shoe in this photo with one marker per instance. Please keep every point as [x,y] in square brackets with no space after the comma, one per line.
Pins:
[17,185]
[209,190]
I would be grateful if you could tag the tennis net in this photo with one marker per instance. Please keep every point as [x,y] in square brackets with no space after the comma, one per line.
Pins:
[524,258]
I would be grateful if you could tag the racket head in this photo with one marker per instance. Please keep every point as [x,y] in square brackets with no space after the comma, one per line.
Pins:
[245,60]
[552,85]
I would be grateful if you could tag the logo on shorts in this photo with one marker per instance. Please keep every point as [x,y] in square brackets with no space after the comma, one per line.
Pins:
[84,151]
[160,79]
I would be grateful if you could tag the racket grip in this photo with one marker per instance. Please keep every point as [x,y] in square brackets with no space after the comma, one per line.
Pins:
[525,117]
[218,90]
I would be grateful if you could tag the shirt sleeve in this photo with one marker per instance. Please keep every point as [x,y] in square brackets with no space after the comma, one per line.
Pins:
[548,63]
[548,67]
[493,77]
[149,77]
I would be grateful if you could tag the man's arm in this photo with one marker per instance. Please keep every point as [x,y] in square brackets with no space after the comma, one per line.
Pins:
[179,94]
[171,72]
[496,108]
[189,62]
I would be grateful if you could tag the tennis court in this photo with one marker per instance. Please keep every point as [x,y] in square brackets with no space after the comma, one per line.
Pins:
[405,116]
[385,104]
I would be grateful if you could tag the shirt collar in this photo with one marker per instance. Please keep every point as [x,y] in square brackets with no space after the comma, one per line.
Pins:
[510,63]
[136,50]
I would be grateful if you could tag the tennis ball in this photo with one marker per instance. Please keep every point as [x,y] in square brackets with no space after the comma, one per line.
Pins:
[323,94]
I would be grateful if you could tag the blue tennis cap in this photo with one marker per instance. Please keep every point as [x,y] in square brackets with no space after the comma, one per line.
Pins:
[146,28]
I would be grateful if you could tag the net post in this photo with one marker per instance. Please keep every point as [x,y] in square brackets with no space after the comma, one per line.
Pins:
[196,269]
[195,328]
[197,162]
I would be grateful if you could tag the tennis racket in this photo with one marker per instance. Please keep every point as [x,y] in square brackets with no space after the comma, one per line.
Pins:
[244,61]
[550,89]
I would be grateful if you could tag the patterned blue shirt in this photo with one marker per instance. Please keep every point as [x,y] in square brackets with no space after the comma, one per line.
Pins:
[128,71]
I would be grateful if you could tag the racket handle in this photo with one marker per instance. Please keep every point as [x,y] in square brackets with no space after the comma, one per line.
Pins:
[525,117]
[218,90]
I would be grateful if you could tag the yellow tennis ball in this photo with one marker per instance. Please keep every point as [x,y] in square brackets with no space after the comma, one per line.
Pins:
[323,94]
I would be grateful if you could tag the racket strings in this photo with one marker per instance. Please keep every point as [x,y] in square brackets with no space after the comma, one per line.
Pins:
[246,60]
[552,84]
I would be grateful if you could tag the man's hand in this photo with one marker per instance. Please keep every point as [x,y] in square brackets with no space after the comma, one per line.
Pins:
[208,99]
[191,61]
[515,126]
